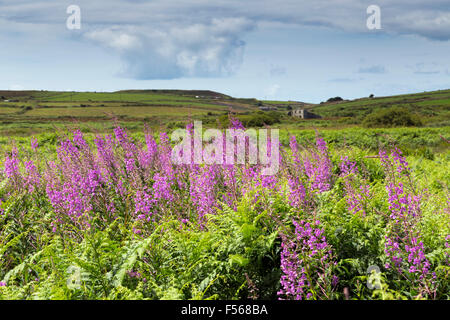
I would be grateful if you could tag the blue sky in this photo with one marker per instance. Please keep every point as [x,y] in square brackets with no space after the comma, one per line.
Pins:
[285,49]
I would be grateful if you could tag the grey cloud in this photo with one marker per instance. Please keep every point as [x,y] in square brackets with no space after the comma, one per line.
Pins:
[432,24]
[165,39]
[373,69]
[423,68]
[426,72]
[430,18]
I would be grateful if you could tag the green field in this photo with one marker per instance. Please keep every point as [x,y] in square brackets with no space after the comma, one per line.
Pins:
[31,112]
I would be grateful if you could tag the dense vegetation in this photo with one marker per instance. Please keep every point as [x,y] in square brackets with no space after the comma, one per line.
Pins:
[111,217]
[253,119]
[95,209]
[392,117]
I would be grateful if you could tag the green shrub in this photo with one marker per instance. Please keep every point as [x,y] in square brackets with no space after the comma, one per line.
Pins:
[256,119]
[392,117]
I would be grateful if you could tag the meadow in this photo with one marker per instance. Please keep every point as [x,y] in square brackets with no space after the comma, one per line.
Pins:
[94,209]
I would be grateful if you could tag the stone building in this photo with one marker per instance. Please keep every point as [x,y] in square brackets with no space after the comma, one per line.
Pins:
[304,114]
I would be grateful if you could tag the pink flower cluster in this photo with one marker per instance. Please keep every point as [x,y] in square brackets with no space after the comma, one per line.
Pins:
[310,171]
[305,259]
[415,256]
[357,192]
[403,246]
[116,176]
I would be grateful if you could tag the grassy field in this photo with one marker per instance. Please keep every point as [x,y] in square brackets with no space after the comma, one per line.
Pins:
[36,113]
[31,112]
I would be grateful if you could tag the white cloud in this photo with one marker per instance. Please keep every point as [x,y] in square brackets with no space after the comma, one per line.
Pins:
[205,50]
[273,90]
[115,38]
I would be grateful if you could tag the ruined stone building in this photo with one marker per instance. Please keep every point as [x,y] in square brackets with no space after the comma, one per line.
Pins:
[304,114]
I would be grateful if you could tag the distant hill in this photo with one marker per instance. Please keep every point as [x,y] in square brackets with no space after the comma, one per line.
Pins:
[188,93]
[29,94]
[25,111]
[432,107]
[34,111]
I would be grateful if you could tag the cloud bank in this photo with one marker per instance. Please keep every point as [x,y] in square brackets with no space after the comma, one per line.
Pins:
[168,39]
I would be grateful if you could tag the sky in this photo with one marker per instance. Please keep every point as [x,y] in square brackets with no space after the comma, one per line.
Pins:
[298,50]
